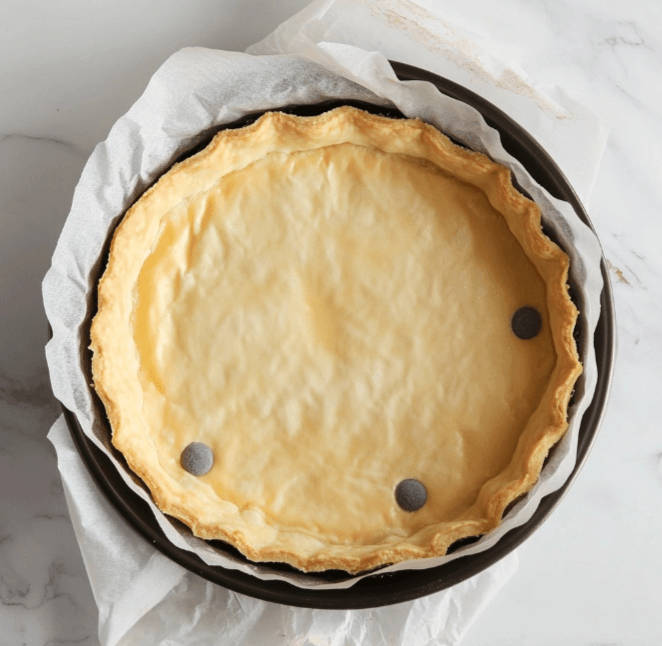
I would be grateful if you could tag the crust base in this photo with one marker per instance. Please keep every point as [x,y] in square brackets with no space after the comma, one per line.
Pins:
[326,301]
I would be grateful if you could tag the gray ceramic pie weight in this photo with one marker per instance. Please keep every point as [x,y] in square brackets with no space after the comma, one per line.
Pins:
[411,495]
[197,458]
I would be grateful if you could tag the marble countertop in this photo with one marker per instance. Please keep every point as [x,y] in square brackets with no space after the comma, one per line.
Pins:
[68,69]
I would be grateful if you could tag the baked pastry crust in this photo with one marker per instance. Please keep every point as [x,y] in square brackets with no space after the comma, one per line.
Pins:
[325,302]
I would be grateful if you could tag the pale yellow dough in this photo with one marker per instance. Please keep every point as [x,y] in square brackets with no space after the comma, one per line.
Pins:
[326,303]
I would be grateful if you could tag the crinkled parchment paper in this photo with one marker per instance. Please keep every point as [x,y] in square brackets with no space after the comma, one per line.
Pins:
[198,89]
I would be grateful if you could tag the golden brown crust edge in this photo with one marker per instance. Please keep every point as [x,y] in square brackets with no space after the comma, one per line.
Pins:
[523,218]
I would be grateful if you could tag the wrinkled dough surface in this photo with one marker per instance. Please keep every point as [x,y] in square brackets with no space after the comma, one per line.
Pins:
[331,322]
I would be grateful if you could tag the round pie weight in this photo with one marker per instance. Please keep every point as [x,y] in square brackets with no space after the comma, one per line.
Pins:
[526,322]
[197,458]
[411,495]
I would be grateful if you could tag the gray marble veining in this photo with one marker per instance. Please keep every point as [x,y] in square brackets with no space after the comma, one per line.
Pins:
[44,593]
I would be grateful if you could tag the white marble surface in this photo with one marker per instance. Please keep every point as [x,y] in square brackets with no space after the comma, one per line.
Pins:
[591,575]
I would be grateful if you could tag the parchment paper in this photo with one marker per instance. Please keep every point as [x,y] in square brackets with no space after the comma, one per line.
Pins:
[145,599]
[197,89]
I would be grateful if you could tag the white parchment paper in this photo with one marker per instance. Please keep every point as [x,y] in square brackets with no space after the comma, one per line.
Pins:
[145,599]
[197,89]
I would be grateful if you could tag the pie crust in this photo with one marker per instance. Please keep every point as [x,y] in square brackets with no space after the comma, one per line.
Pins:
[326,303]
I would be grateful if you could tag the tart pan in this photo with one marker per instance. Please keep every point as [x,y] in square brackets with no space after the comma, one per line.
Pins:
[378,589]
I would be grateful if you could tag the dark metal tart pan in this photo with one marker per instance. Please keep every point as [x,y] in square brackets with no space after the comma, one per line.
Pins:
[380,589]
